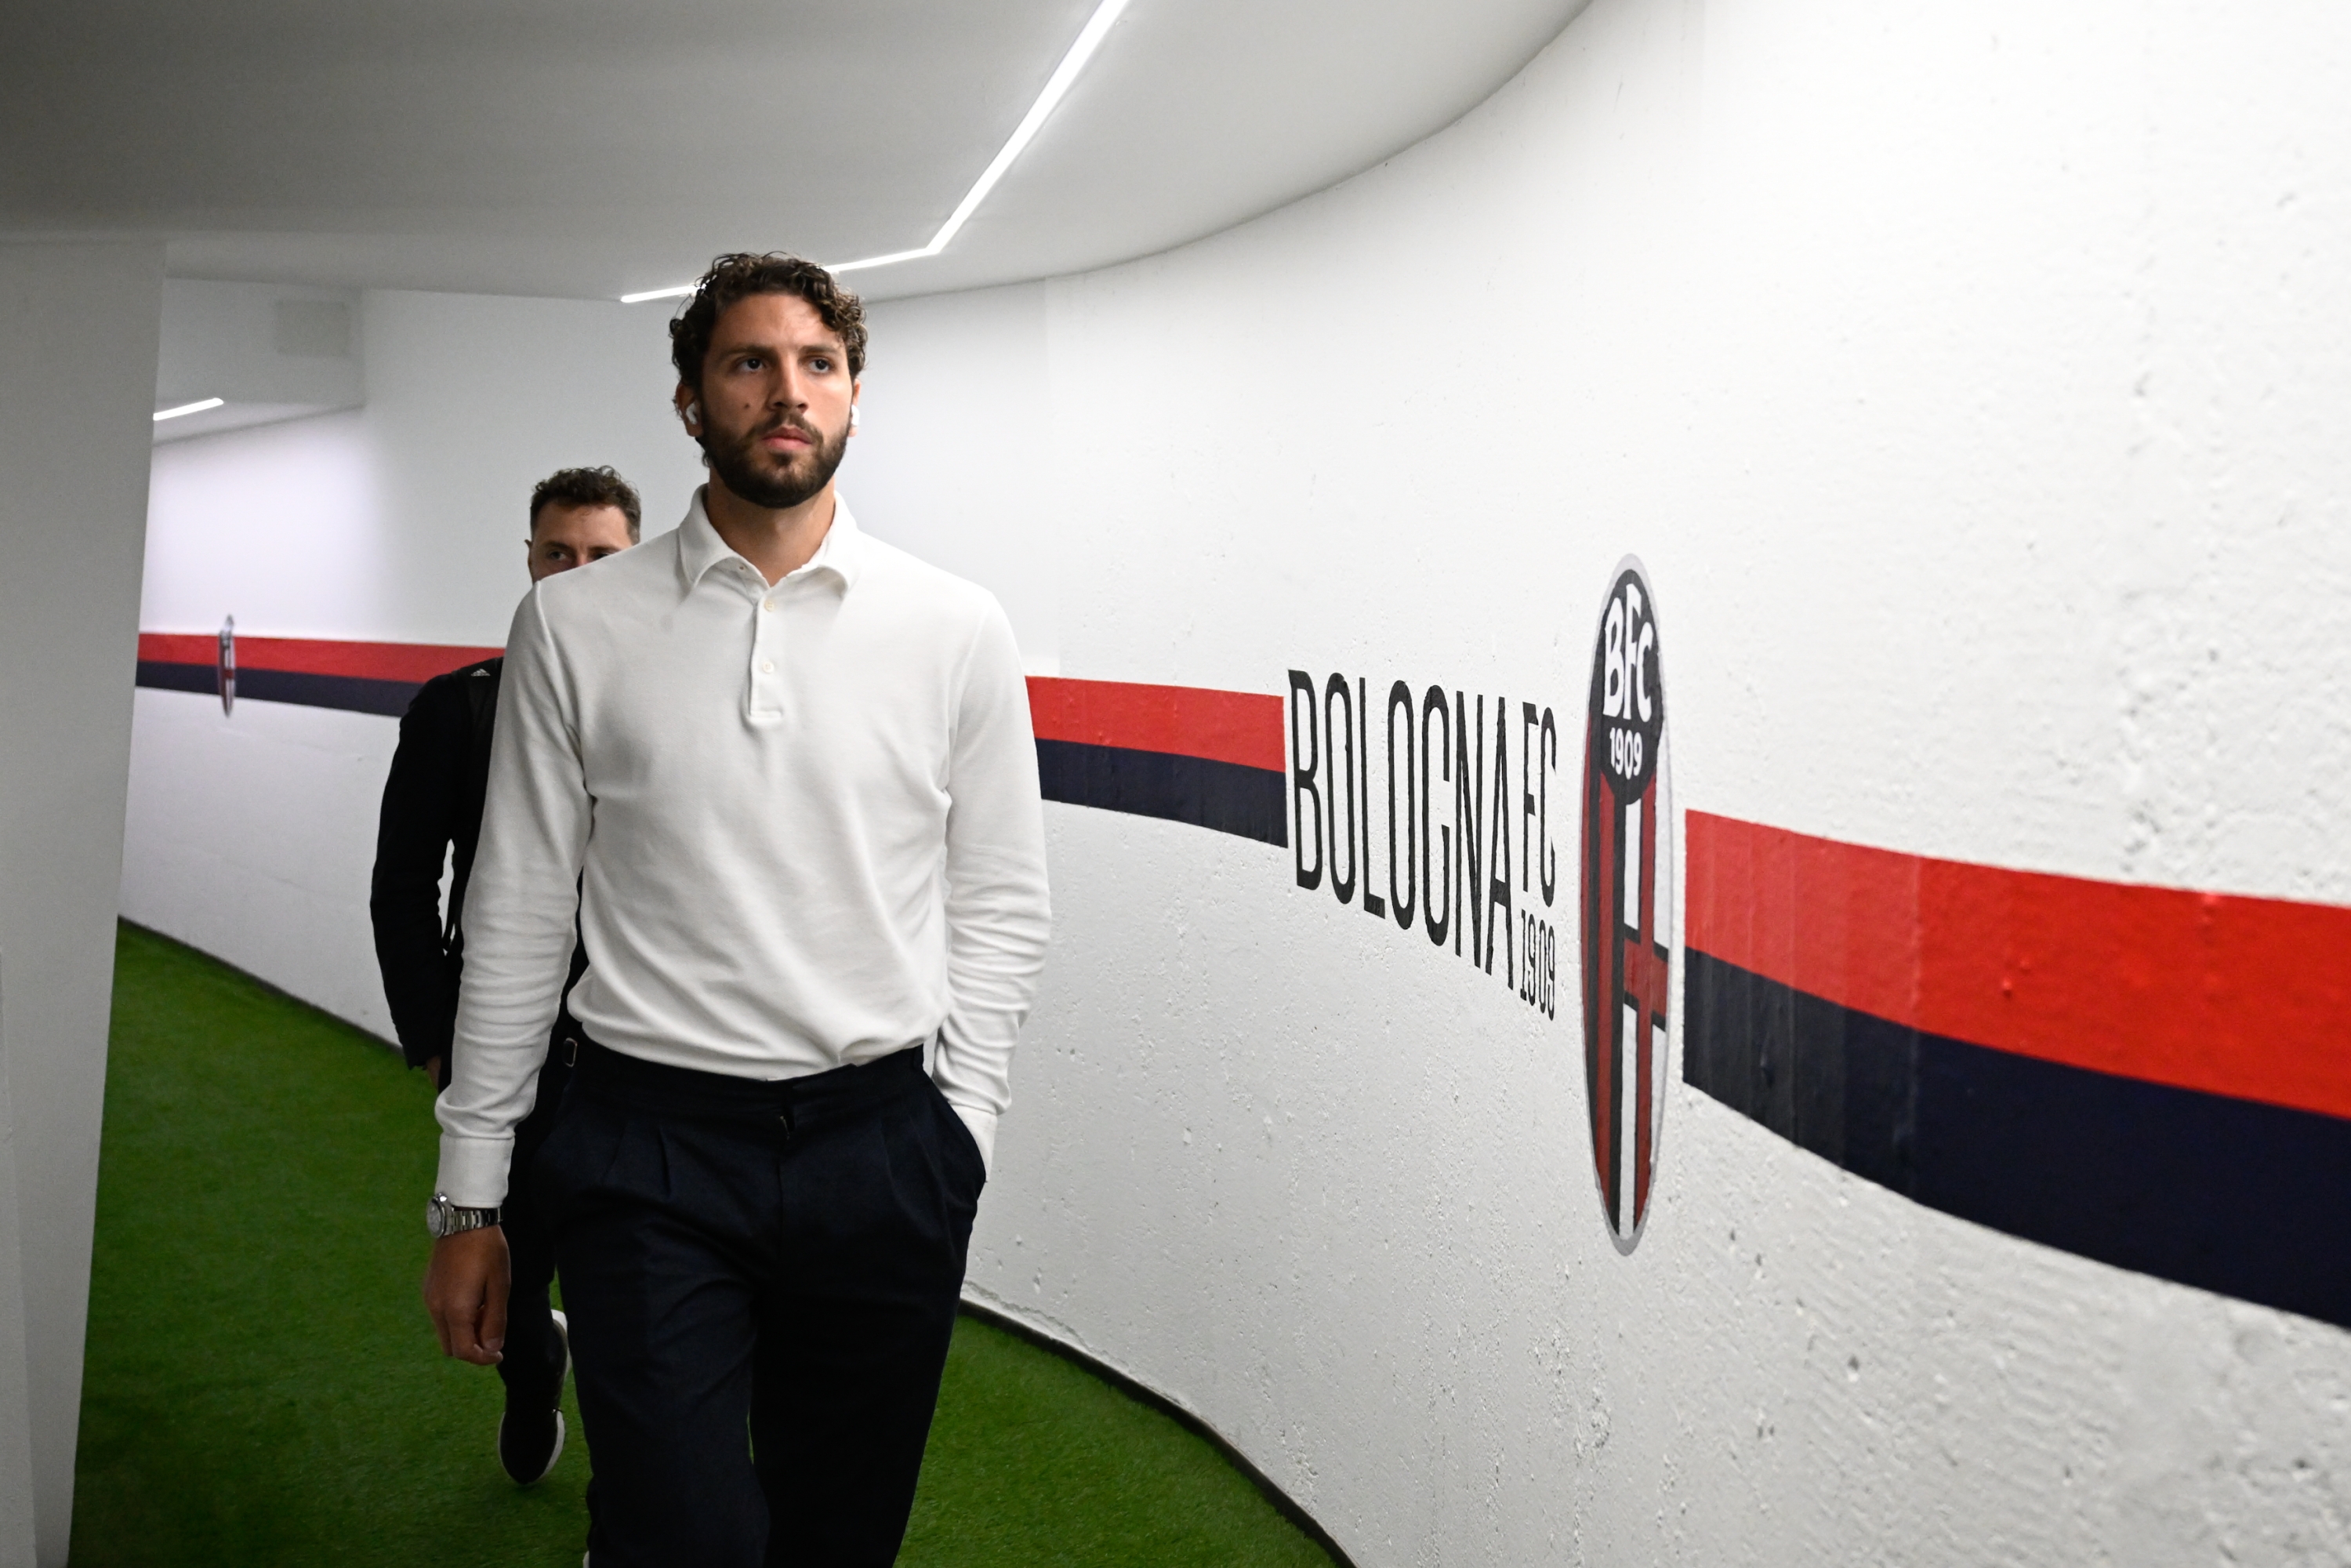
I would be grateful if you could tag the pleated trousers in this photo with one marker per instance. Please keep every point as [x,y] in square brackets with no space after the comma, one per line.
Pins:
[760,1279]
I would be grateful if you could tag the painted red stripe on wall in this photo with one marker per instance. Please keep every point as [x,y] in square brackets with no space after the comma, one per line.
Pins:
[1243,728]
[412,662]
[2227,995]
[1240,727]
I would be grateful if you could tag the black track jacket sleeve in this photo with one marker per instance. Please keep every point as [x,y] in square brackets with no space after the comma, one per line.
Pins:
[432,799]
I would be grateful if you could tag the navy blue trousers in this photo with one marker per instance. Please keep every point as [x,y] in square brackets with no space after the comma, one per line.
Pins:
[761,1279]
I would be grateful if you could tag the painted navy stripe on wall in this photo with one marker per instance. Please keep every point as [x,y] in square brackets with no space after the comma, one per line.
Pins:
[1184,754]
[351,694]
[163,675]
[1225,797]
[2147,1076]
[357,678]
[411,663]
[2231,1196]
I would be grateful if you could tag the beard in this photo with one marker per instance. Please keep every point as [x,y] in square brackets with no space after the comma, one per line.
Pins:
[754,474]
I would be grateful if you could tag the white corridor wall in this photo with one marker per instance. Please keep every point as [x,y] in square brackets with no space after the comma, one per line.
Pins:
[1973,381]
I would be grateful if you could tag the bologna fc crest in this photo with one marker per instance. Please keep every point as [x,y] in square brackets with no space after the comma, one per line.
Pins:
[1628,883]
[225,666]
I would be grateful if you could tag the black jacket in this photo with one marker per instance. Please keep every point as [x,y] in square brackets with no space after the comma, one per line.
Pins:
[433,802]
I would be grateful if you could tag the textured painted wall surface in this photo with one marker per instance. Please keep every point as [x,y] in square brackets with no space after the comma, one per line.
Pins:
[251,835]
[1972,383]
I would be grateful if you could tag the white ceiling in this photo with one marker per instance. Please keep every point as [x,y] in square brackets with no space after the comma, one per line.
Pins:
[590,148]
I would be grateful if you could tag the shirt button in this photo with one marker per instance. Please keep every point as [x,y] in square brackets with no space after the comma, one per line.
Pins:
[767,604]
[767,666]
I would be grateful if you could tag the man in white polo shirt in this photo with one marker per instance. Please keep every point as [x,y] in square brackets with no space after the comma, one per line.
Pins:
[791,771]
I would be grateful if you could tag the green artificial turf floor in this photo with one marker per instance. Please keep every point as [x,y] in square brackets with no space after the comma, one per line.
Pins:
[263,1388]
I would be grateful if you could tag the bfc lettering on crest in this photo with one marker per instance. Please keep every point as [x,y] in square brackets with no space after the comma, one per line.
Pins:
[1627,891]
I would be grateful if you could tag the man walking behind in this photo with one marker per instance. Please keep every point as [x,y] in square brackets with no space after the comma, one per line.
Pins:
[791,770]
[432,814]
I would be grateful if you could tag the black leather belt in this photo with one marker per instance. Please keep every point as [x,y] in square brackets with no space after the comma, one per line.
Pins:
[633,1084]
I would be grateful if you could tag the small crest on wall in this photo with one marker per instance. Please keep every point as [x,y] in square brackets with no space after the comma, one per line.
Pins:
[1627,908]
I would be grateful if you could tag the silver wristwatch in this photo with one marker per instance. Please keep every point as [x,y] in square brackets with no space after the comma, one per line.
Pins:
[443,1218]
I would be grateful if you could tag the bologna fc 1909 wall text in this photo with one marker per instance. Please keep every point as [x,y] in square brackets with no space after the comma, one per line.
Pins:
[1433,808]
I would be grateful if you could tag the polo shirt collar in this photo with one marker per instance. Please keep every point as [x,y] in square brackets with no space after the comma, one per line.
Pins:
[699,548]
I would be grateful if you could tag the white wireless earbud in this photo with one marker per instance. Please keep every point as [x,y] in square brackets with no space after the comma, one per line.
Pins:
[853,416]
[694,414]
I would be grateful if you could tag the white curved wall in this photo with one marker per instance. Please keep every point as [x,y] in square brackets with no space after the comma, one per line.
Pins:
[1972,381]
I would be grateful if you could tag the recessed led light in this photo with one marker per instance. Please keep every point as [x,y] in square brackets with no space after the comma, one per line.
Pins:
[197,407]
[1057,86]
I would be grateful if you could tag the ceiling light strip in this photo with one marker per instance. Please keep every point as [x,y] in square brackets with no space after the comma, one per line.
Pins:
[197,407]
[1057,87]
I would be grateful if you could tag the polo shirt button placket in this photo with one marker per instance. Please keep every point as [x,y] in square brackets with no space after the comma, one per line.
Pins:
[766,630]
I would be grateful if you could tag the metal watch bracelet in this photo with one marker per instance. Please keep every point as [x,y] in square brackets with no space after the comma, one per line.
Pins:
[443,1218]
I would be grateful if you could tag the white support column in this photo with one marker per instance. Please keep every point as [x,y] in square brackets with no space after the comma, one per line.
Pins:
[78,327]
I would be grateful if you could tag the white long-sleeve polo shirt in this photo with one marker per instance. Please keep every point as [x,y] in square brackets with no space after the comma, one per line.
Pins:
[803,824]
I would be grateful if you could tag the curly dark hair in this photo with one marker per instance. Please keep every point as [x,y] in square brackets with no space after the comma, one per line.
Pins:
[739,275]
[587,487]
